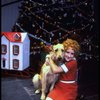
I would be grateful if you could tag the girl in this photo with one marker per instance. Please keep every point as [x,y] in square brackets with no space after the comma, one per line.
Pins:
[66,87]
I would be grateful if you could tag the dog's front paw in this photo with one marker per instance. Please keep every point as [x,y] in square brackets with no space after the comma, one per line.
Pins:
[37,91]
[43,97]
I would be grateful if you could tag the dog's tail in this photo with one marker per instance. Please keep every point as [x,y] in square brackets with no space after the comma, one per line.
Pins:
[36,81]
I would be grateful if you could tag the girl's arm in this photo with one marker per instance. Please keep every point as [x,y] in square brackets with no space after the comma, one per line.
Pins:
[57,69]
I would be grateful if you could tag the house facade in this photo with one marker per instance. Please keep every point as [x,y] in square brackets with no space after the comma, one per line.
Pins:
[15,51]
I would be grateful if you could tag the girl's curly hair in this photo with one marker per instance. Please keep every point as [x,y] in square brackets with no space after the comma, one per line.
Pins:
[73,44]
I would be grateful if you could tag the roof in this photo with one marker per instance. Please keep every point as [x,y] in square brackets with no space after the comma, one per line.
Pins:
[15,36]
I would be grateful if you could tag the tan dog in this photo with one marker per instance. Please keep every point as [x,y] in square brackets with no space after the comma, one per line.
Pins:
[45,81]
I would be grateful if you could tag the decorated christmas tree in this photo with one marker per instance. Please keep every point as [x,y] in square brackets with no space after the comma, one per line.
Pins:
[53,21]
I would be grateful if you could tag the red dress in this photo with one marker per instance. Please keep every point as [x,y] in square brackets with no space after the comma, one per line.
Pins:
[66,91]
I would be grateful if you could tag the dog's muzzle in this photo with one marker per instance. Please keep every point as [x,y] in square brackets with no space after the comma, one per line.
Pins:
[60,59]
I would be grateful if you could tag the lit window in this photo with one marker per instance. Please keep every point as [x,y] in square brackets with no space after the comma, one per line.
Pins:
[15,63]
[4,49]
[15,49]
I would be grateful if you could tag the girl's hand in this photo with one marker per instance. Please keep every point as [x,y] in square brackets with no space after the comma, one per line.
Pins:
[47,60]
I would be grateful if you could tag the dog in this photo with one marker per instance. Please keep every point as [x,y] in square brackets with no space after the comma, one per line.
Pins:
[46,80]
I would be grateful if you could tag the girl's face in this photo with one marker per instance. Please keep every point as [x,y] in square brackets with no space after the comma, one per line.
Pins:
[69,54]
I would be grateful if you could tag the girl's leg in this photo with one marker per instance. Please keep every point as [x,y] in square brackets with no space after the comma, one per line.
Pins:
[48,98]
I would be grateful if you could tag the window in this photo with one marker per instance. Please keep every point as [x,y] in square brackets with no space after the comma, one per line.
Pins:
[4,62]
[15,63]
[17,36]
[15,49]
[4,49]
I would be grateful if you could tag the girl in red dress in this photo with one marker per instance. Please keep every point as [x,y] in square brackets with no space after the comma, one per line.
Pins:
[66,87]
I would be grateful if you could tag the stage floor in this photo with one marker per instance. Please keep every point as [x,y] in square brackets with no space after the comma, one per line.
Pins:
[13,88]
[17,89]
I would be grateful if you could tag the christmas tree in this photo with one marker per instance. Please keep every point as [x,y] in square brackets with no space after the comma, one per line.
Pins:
[53,21]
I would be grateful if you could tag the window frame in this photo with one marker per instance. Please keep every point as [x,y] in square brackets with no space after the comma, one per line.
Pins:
[14,53]
[14,66]
[3,45]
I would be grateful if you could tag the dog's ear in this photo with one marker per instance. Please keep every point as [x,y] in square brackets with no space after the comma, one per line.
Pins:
[48,48]
[51,48]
